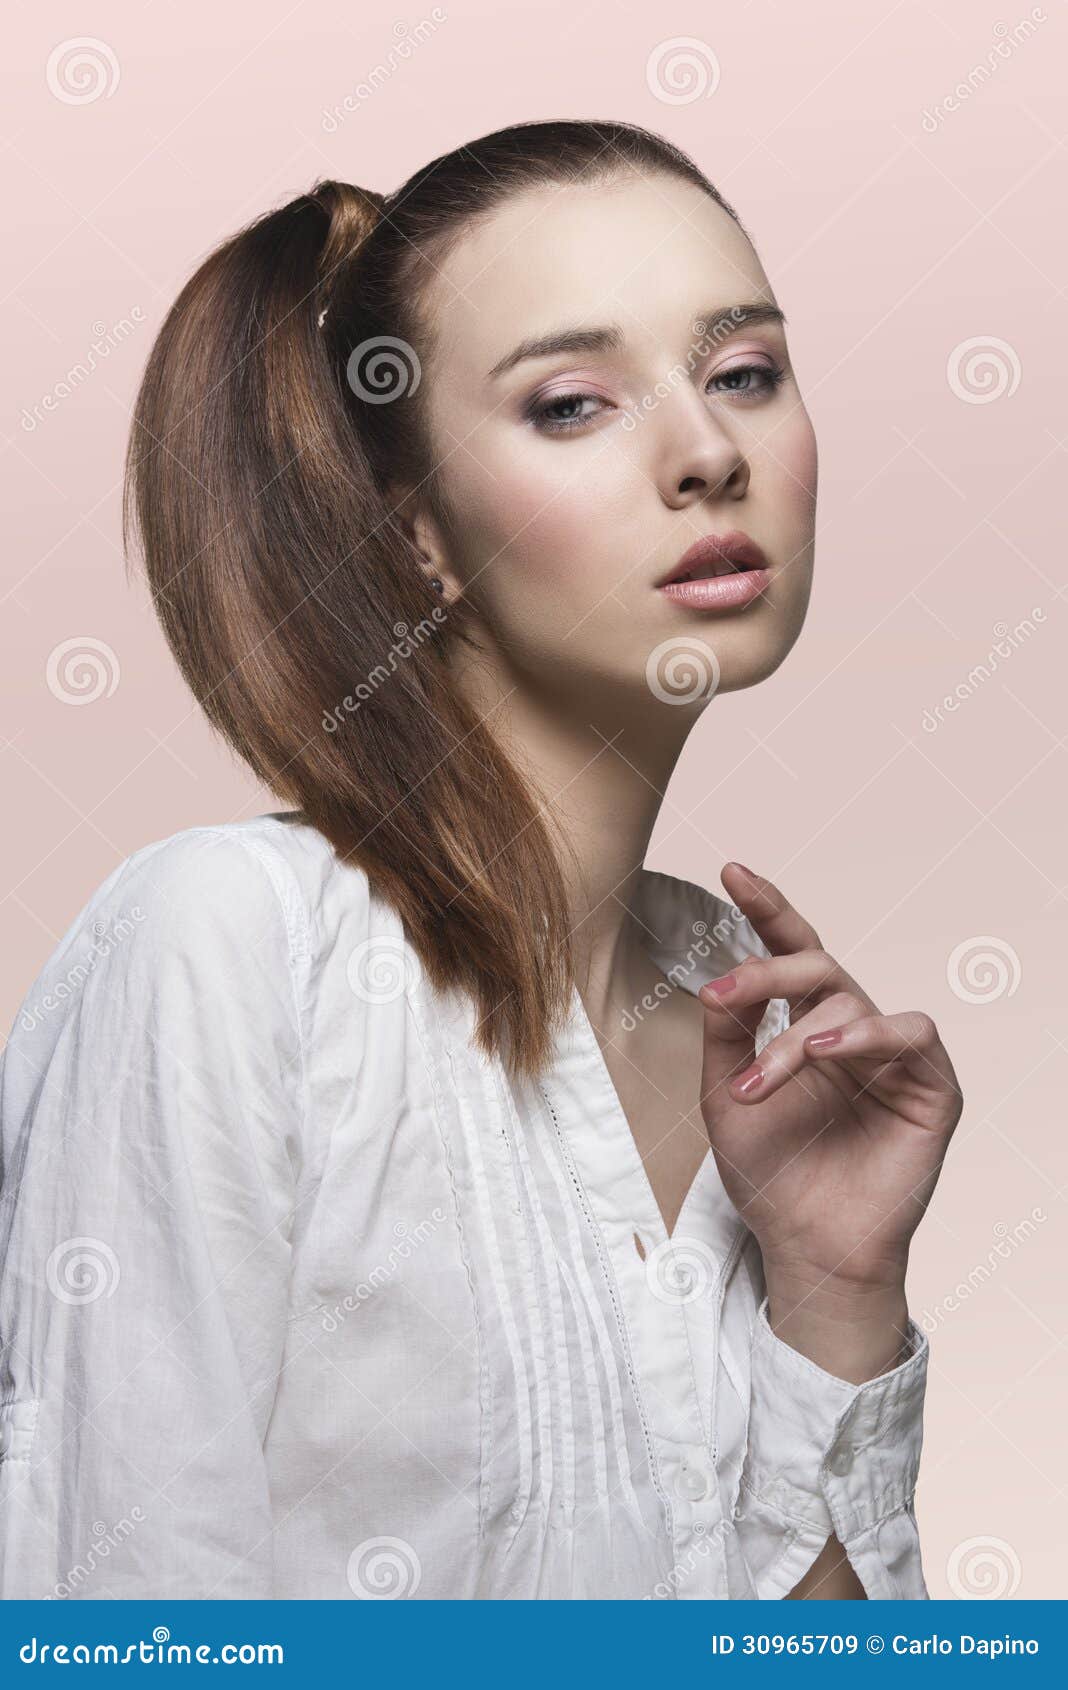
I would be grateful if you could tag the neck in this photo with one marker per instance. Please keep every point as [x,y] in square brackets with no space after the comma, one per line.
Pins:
[601,773]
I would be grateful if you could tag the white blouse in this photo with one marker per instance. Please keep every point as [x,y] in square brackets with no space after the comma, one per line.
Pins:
[302,1297]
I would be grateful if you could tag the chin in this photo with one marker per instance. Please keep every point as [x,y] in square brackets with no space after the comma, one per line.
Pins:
[744,649]
[738,676]
[748,668]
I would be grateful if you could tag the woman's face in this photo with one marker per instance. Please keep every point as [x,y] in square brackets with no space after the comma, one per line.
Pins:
[582,473]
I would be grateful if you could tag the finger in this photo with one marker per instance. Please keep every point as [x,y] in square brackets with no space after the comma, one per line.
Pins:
[730,1036]
[785,1056]
[729,1049]
[781,927]
[727,1022]
[804,978]
[910,1037]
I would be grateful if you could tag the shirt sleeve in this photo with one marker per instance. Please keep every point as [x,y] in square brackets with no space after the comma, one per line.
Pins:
[825,1456]
[150,1102]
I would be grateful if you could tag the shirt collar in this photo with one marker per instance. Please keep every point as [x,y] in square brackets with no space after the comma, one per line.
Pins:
[691,933]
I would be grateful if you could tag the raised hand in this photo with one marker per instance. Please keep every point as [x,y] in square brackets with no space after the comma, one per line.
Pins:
[830,1145]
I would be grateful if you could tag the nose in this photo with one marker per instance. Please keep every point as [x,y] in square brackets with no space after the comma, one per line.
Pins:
[700,458]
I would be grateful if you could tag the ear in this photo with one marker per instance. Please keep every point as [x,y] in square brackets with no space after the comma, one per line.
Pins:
[425,534]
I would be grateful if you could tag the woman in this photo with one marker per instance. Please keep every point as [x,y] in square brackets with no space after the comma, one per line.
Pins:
[394,1201]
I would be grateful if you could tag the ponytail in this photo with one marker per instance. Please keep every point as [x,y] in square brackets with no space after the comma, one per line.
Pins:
[259,478]
[302,620]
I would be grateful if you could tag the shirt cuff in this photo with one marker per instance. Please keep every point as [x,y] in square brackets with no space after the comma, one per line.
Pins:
[824,1455]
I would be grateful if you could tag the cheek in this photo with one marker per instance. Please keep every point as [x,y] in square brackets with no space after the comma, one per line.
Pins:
[532,528]
[794,463]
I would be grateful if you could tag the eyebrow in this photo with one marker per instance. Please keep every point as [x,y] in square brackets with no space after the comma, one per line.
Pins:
[716,324]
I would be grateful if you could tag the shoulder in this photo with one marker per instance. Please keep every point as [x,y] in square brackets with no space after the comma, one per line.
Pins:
[242,882]
[237,902]
[205,889]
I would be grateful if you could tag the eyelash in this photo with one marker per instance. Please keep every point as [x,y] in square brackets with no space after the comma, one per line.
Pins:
[771,374]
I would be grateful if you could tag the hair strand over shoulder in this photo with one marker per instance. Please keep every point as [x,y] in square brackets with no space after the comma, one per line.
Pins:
[259,479]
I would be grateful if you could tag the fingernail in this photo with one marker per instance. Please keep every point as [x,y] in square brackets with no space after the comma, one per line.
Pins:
[749,1080]
[823,1041]
[747,871]
[725,983]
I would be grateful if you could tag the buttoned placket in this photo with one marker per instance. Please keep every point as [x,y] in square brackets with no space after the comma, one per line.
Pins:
[671,1299]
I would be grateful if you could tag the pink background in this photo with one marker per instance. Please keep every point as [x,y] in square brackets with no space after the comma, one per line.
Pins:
[895,231]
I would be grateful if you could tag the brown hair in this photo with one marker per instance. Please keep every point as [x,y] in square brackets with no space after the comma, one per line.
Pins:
[258,480]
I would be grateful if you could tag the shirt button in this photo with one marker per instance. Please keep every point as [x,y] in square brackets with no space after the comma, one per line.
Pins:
[691,1481]
[840,1459]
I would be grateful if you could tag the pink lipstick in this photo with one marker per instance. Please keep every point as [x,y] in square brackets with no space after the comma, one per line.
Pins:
[718,572]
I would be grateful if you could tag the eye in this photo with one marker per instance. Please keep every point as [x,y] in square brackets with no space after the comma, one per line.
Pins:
[565,412]
[545,416]
[749,381]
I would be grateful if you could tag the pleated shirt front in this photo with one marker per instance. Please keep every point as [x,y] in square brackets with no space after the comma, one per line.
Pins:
[301,1296]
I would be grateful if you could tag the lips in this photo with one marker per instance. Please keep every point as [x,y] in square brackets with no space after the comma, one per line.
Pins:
[716,554]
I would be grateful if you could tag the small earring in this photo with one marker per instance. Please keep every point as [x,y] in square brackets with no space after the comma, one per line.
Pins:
[437,583]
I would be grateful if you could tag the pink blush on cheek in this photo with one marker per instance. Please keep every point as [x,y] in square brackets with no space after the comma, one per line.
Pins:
[547,529]
[799,457]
